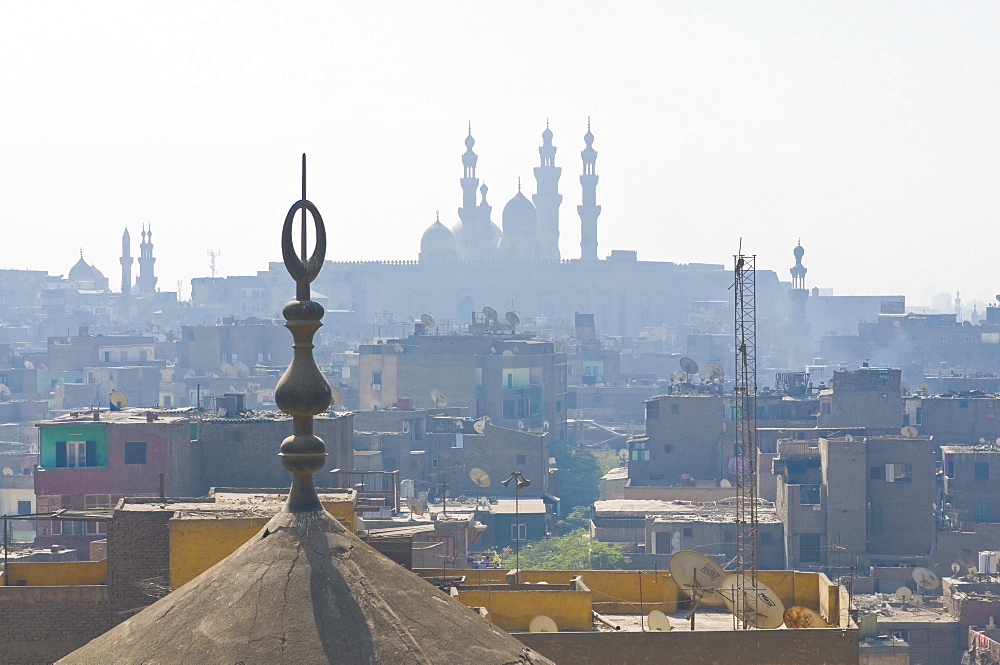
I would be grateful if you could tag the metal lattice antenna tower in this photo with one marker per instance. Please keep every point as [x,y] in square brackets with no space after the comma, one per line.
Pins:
[214,253]
[746,435]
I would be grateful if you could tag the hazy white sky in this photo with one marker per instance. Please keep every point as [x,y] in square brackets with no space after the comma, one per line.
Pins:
[868,129]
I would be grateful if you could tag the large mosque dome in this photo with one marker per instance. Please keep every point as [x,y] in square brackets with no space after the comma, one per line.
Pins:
[87,275]
[519,216]
[438,243]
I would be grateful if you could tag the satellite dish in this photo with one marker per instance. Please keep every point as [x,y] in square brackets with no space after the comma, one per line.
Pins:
[520,424]
[689,366]
[398,348]
[480,425]
[489,314]
[679,377]
[427,320]
[623,453]
[905,387]
[903,594]
[799,616]
[29,365]
[926,578]
[512,319]
[374,405]
[415,506]
[956,567]
[228,370]
[923,387]
[545,425]
[189,374]
[849,437]
[725,483]
[542,624]
[119,399]
[714,370]
[241,368]
[754,604]
[697,576]
[657,620]
[4,390]
[909,431]
[335,396]
[480,477]
[917,599]
[438,398]
[7,471]
[507,352]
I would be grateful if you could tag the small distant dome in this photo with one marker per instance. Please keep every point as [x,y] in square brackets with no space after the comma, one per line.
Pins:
[84,272]
[469,141]
[798,251]
[547,134]
[588,138]
[520,216]
[437,243]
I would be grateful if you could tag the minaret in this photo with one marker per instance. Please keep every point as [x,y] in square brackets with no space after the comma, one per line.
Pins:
[126,261]
[471,234]
[797,345]
[146,281]
[589,211]
[547,198]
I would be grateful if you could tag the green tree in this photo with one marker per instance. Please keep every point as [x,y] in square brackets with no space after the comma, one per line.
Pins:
[574,551]
[578,518]
[579,474]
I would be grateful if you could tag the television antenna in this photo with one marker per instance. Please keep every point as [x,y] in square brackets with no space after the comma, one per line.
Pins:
[542,624]
[657,620]
[753,603]
[697,576]
[439,398]
[800,616]
[118,398]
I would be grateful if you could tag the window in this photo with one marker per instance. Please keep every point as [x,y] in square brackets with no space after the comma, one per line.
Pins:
[234,436]
[809,550]
[653,410]
[675,408]
[982,471]
[518,532]
[963,404]
[875,473]
[898,473]
[558,406]
[74,454]
[688,532]
[668,448]
[883,398]
[825,407]
[24,507]
[376,382]
[135,452]
[809,495]
[522,459]
[981,512]
[434,462]
[874,519]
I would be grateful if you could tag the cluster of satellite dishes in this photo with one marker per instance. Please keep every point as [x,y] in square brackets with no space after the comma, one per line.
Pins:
[490,316]
[926,580]
[688,377]
[234,369]
[752,602]
[922,388]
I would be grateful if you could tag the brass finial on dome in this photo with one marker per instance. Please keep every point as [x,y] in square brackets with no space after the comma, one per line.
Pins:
[303,391]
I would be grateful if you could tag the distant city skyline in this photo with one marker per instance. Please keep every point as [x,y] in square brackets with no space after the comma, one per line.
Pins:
[866,131]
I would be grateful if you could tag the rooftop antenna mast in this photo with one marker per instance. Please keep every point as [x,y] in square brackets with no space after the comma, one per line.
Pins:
[214,253]
[746,433]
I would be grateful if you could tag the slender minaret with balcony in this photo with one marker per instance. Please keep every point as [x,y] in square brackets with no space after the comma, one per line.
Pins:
[126,261]
[589,210]
[471,235]
[547,198]
[146,282]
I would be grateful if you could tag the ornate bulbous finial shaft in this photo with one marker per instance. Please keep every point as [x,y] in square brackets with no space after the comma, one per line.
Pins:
[303,391]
